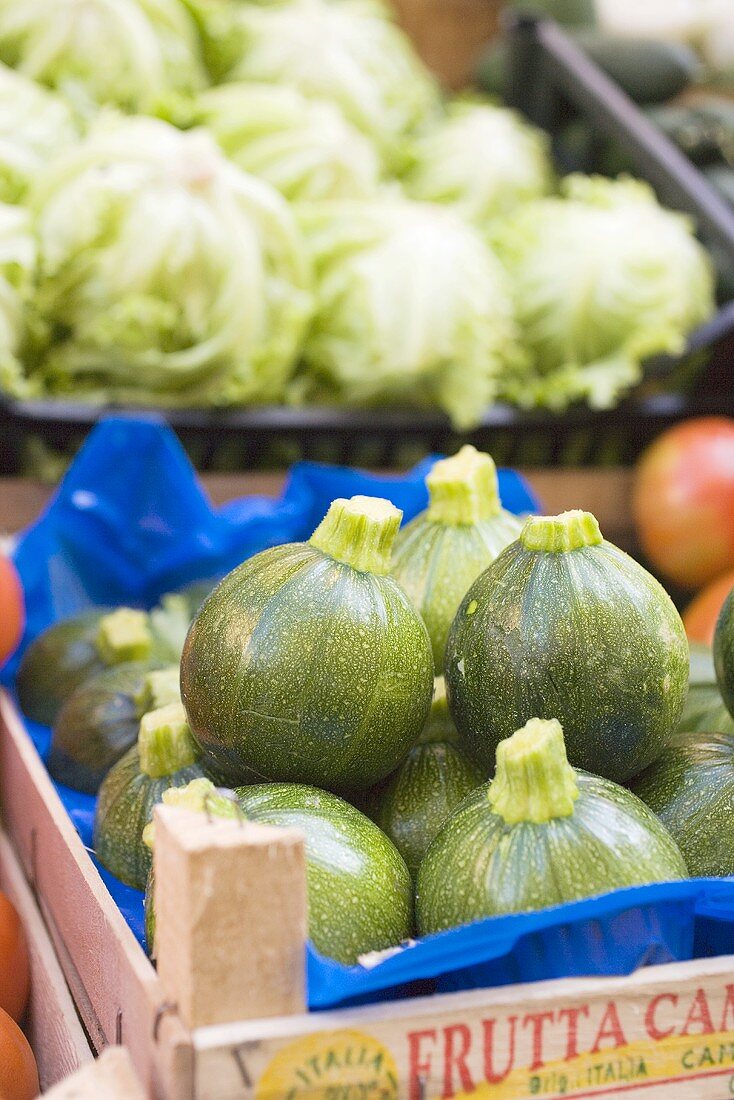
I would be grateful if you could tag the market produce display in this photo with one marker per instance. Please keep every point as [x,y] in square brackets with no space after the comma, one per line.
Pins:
[222,204]
[164,756]
[309,664]
[337,674]
[700,615]
[564,625]
[444,549]
[579,834]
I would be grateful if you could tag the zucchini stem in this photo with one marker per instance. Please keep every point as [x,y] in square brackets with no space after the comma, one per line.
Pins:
[534,781]
[124,635]
[559,534]
[439,724]
[160,687]
[165,744]
[200,796]
[463,489]
[359,532]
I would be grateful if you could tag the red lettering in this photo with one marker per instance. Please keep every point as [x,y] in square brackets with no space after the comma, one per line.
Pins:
[456,1059]
[699,1014]
[492,1075]
[537,1019]
[650,1026]
[728,1007]
[419,1064]
[609,1028]
[572,1036]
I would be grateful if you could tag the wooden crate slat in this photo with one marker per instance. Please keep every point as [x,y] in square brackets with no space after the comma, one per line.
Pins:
[51,1024]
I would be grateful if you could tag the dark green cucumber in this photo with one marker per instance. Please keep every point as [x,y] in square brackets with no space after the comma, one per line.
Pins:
[97,724]
[647,70]
[724,652]
[308,663]
[539,834]
[56,662]
[360,896]
[691,789]
[564,625]
[444,549]
[164,757]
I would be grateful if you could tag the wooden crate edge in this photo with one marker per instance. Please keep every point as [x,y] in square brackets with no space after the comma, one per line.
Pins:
[52,1025]
[116,990]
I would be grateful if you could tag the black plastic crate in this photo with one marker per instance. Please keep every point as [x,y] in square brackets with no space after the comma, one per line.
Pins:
[550,81]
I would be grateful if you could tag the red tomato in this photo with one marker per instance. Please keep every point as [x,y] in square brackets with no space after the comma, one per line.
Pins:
[12,610]
[683,501]
[18,1070]
[15,974]
[699,618]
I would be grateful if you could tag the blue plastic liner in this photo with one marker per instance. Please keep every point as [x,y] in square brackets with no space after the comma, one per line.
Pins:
[130,522]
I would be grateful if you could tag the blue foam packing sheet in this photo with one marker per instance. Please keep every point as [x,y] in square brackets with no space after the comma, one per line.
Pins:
[130,521]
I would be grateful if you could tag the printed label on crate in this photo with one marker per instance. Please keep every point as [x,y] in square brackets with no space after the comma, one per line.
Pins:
[670,1042]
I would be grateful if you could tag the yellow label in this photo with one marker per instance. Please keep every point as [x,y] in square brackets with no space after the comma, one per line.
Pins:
[619,1070]
[341,1065]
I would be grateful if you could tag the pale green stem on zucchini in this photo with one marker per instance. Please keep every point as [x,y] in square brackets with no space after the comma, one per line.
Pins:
[359,532]
[558,534]
[200,796]
[124,635]
[463,489]
[160,687]
[534,780]
[165,743]
[439,725]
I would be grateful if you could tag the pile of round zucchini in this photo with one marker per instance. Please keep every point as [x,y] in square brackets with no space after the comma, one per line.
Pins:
[447,711]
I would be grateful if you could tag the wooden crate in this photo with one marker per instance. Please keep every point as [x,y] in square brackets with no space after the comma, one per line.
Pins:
[666,1031]
[51,1024]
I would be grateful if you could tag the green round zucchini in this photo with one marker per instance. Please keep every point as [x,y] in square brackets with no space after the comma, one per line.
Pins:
[99,721]
[412,804]
[56,662]
[691,789]
[360,896]
[164,756]
[538,835]
[308,662]
[443,550]
[724,652]
[564,625]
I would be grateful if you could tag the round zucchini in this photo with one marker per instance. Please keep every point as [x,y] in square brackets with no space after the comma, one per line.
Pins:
[443,550]
[56,662]
[308,662]
[724,652]
[412,804]
[691,789]
[360,896]
[198,796]
[563,624]
[164,756]
[539,834]
[71,651]
[99,721]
